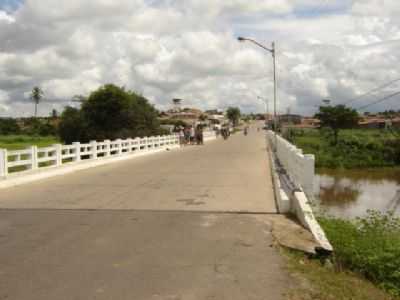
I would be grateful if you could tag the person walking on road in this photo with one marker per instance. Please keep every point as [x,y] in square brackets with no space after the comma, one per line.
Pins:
[187,135]
[192,135]
[199,135]
[181,136]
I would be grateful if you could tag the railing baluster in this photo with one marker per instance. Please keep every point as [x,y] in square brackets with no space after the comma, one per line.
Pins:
[3,163]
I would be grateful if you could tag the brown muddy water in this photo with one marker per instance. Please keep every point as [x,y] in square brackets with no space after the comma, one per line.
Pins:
[350,193]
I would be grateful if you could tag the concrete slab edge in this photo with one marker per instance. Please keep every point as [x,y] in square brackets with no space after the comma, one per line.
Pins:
[304,213]
[23,178]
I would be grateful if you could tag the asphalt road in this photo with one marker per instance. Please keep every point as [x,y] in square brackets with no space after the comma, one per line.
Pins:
[151,228]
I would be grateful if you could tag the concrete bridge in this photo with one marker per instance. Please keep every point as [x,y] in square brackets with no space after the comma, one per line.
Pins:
[193,223]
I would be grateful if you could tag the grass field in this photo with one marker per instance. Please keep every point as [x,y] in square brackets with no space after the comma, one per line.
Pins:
[356,148]
[17,142]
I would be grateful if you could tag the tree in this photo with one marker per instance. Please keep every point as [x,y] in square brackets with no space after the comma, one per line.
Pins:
[79,99]
[110,112]
[54,113]
[203,117]
[36,96]
[73,127]
[336,118]
[233,114]
[9,126]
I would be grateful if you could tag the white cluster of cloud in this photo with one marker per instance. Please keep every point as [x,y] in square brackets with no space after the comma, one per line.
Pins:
[188,49]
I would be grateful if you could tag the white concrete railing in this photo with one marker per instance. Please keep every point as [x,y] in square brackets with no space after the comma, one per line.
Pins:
[300,170]
[35,158]
[299,167]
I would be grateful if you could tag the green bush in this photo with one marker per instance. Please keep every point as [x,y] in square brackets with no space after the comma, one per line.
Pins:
[369,246]
[9,126]
[38,127]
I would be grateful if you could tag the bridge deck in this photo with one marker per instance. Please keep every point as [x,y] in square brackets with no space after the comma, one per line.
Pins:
[49,253]
[227,176]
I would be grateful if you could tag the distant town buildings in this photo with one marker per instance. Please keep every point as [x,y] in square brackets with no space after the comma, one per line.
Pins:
[192,116]
[370,121]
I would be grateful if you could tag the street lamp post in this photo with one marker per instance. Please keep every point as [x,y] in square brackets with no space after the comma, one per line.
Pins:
[273,52]
[266,106]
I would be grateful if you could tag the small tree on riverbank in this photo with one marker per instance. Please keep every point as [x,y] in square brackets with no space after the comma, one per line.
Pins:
[233,114]
[336,118]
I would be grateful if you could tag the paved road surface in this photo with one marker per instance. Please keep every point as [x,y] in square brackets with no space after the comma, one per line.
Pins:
[230,175]
[156,230]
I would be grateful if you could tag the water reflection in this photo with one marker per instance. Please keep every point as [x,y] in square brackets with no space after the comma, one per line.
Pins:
[350,193]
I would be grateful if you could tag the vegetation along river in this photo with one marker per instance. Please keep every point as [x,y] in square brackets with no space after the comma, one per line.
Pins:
[350,193]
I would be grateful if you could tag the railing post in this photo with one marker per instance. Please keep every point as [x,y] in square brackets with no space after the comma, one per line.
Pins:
[159,141]
[3,163]
[119,147]
[129,141]
[34,158]
[93,145]
[58,148]
[108,147]
[77,151]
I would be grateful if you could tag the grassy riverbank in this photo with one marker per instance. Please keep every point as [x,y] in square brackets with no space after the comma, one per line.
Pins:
[356,148]
[319,281]
[16,142]
[369,246]
[365,264]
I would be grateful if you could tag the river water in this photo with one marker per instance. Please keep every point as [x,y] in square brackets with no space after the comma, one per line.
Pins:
[350,193]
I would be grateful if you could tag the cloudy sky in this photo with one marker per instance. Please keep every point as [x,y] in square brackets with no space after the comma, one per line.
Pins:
[188,49]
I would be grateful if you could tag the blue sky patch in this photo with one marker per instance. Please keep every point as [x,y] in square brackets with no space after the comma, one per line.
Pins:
[339,7]
[9,5]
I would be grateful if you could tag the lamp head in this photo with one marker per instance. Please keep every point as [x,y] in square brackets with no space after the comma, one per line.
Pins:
[241,39]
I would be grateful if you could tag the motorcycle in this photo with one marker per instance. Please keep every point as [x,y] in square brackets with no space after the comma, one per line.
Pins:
[225,134]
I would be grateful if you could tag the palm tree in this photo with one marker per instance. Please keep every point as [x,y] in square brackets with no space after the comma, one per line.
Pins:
[36,96]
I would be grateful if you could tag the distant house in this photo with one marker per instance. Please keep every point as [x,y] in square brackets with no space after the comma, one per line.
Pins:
[396,123]
[306,123]
[290,119]
[373,123]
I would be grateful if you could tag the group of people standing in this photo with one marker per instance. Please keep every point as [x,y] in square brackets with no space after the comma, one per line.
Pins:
[191,135]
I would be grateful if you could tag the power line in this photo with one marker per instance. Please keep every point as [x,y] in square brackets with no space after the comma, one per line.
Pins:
[380,100]
[372,91]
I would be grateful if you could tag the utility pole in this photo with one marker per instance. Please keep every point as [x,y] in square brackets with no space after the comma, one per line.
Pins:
[272,50]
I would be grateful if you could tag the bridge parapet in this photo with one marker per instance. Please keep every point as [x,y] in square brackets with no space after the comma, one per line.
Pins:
[293,177]
[299,167]
[34,158]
